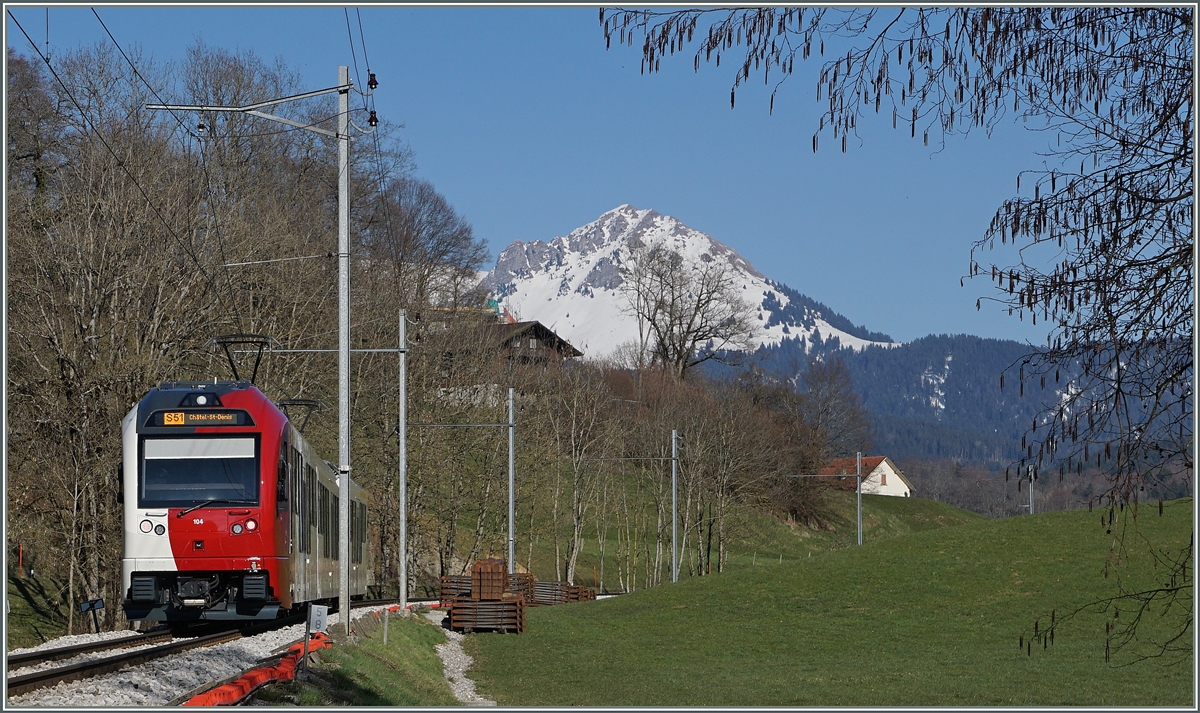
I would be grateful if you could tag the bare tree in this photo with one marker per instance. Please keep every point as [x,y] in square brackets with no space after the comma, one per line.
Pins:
[833,410]
[431,249]
[579,413]
[687,312]
[107,295]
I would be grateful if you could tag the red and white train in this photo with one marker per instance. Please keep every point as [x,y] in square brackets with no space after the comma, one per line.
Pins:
[229,513]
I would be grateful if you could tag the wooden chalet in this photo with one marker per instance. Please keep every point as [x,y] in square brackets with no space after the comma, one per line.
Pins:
[531,343]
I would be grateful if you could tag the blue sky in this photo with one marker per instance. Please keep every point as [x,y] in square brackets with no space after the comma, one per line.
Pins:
[531,128]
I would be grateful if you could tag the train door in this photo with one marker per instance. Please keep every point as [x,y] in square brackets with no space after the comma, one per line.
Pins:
[283,523]
[300,521]
[312,583]
[323,541]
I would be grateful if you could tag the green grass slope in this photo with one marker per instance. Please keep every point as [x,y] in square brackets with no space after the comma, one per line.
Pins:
[932,618]
[35,611]
[406,671]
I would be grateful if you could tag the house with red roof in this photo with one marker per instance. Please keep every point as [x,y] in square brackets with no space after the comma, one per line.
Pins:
[880,476]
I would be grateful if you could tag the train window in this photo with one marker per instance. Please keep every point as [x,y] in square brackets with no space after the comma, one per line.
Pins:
[296,484]
[355,524]
[337,531]
[353,528]
[323,526]
[180,472]
[310,494]
[306,509]
[321,514]
[362,529]
[358,532]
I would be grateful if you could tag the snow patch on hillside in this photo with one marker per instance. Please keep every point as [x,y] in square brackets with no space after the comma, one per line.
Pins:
[936,382]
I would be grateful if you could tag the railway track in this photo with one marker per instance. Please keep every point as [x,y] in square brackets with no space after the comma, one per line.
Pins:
[33,658]
[24,683]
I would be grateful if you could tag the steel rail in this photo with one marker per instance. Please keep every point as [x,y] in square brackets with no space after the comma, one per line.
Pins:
[25,683]
[32,658]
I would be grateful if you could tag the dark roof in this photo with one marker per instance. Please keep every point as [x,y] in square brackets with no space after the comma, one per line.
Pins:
[848,466]
[505,333]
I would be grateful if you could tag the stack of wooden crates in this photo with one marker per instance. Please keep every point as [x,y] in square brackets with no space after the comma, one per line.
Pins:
[490,599]
[488,604]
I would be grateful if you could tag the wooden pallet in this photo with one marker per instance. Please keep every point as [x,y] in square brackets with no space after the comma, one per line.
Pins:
[522,583]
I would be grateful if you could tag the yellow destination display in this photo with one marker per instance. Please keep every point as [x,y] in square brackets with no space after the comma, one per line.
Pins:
[204,418]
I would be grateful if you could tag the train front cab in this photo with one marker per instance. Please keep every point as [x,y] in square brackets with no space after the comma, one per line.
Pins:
[205,525]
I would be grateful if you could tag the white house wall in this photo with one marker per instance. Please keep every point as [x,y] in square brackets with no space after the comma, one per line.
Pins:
[873,485]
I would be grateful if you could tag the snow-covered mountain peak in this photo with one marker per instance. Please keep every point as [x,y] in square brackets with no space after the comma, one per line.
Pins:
[572,283]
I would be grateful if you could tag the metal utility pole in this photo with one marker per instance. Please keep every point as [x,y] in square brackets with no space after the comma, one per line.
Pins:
[343,138]
[858,487]
[402,460]
[344,344]
[512,432]
[674,506]
[1029,472]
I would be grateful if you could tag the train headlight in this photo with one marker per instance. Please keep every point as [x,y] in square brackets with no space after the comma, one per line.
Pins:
[201,400]
[146,526]
[160,529]
[236,528]
[251,525]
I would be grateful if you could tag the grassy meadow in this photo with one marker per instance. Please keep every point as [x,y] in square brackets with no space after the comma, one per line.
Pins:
[929,618]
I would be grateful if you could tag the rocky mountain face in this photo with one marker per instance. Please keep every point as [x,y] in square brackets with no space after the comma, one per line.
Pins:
[572,284]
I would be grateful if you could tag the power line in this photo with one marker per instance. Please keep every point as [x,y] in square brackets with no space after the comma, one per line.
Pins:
[182,124]
[138,74]
[278,259]
[203,163]
[362,40]
[368,101]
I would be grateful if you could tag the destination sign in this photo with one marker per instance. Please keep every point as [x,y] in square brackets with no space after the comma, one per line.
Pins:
[208,417]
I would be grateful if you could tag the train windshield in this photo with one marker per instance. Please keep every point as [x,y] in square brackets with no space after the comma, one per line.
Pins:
[178,472]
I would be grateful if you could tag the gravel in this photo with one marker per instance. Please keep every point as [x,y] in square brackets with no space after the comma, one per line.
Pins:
[159,682]
[455,663]
[76,640]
